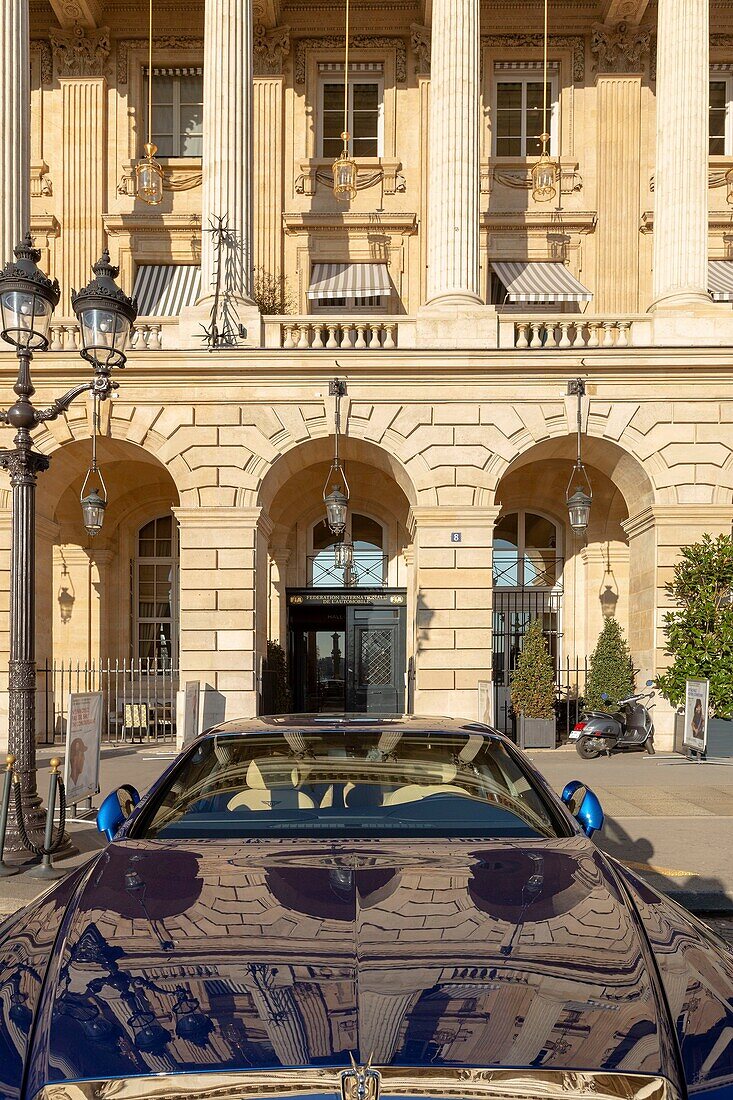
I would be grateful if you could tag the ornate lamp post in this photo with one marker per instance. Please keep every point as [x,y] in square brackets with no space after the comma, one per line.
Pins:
[27,301]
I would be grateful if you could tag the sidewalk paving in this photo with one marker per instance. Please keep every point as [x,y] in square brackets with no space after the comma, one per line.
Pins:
[669,820]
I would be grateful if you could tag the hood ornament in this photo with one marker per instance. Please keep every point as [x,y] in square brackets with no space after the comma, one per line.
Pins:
[360,1082]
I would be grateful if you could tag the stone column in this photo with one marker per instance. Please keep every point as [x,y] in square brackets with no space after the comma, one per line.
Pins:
[217,607]
[80,57]
[453,646]
[279,559]
[681,177]
[15,125]
[271,46]
[227,168]
[453,155]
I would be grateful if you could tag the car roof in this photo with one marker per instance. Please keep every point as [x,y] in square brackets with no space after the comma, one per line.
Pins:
[408,723]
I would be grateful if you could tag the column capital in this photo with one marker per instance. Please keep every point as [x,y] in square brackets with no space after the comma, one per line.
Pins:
[704,516]
[448,516]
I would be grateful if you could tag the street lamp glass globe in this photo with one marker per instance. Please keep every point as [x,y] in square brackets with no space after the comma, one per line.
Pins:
[579,511]
[106,316]
[92,508]
[27,299]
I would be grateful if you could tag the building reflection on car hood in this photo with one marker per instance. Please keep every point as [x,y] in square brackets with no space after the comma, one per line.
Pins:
[187,956]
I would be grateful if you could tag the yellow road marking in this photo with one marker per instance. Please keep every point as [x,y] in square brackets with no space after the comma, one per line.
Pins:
[670,872]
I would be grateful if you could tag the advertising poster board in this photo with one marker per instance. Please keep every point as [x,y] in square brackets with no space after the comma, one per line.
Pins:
[191,710]
[83,742]
[696,715]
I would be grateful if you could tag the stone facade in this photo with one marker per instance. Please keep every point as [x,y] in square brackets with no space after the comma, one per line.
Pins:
[456,414]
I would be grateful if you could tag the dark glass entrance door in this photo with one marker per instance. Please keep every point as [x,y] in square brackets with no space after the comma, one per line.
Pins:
[346,657]
[376,660]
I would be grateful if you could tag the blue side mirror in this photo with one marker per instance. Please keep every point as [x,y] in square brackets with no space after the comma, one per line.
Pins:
[584,805]
[116,808]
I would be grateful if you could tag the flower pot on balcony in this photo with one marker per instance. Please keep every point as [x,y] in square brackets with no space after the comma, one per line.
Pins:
[536,733]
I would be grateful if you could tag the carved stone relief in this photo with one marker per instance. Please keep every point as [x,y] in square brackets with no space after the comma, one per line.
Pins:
[270,47]
[80,52]
[42,47]
[622,48]
[357,42]
[421,42]
[313,176]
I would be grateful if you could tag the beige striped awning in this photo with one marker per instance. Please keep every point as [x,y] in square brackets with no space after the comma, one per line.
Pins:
[540,282]
[163,290]
[349,281]
[720,280]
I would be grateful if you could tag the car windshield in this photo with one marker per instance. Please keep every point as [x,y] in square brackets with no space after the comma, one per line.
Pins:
[349,783]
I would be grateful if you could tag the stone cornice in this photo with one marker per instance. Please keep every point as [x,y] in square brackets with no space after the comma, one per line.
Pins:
[674,515]
[582,221]
[573,42]
[451,515]
[356,42]
[244,518]
[349,220]
[142,222]
[189,43]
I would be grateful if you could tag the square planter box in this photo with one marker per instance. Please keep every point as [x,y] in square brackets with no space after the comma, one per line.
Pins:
[536,733]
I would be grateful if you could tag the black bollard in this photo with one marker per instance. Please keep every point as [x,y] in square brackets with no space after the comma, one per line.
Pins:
[6,871]
[46,869]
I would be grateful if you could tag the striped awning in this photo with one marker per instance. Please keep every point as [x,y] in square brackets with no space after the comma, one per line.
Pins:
[349,281]
[720,280]
[163,290]
[540,282]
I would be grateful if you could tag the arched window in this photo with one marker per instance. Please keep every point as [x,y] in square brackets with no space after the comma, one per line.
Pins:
[155,593]
[526,551]
[368,567]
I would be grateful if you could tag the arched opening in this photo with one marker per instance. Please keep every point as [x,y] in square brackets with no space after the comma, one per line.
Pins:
[542,569]
[340,605]
[107,607]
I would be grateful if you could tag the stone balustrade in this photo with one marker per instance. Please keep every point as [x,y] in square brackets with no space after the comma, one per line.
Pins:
[566,331]
[315,333]
[147,335]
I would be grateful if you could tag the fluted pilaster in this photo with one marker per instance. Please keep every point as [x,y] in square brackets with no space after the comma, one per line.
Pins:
[681,177]
[14,125]
[453,202]
[83,186]
[227,153]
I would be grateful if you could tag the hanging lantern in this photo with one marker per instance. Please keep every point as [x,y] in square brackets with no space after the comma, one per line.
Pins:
[544,175]
[544,172]
[336,509]
[579,510]
[344,173]
[343,555]
[149,176]
[92,509]
[106,316]
[578,501]
[148,173]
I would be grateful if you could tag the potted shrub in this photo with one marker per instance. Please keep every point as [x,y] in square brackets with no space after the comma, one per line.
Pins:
[533,691]
[610,671]
[699,632]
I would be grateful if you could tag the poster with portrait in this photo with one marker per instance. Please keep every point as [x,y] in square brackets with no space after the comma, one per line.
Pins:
[83,741]
[696,715]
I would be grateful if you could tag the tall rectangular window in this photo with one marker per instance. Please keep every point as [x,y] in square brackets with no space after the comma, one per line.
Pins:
[518,114]
[720,119]
[178,112]
[364,118]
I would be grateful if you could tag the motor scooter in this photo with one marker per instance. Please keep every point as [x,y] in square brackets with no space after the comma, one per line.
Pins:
[628,729]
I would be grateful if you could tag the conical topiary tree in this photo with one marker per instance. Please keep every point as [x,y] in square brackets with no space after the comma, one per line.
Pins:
[611,670]
[700,630]
[533,680]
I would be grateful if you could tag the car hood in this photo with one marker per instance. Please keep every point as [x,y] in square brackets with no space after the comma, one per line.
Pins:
[267,955]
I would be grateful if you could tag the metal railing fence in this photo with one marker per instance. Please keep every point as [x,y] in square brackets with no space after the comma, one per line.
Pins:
[139,698]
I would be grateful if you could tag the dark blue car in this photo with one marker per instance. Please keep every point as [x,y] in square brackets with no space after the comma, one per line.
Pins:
[359,909]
